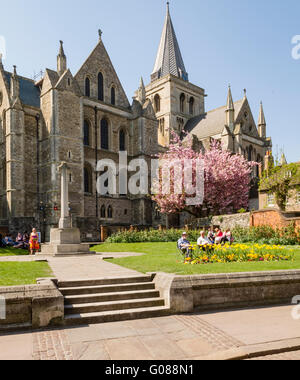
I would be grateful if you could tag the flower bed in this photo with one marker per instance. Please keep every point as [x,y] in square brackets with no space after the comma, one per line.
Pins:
[239,253]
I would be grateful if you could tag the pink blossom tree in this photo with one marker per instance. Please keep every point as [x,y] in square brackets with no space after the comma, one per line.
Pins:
[227,179]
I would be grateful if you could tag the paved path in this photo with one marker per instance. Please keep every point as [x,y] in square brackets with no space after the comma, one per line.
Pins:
[192,337]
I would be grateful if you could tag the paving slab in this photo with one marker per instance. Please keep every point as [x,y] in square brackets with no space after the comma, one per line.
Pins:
[253,326]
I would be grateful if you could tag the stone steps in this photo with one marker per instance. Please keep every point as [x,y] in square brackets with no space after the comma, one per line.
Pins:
[106,297]
[115,316]
[113,305]
[103,281]
[111,299]
[106,288]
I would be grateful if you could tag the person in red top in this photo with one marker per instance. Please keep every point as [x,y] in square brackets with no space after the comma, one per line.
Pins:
[218,236]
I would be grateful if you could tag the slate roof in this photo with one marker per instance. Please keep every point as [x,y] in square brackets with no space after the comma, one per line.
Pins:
[212,123]
[169,59]
[29,93]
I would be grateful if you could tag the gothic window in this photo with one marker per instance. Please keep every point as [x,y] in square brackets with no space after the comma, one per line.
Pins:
[157,103]
[104,134]
[100,87]
[250,152]
[182,101]
[113,96]
[103,212]
[87,180]
[86,133]
[191,106]
[122,142]
[162,126]
[109,212]
[87,91]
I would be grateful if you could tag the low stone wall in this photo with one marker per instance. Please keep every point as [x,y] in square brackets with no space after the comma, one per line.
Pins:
[37,306]
[186,294]
[223,221]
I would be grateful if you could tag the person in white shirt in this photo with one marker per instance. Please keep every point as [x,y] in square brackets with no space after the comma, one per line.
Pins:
[202,240]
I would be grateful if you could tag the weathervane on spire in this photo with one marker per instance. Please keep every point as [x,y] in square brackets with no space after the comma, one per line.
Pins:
[100,34]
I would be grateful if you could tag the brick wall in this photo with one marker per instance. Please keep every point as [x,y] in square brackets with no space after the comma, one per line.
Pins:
[273,218]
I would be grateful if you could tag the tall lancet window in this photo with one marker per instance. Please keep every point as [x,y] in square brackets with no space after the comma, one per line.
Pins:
[122,141]
[113,96]
[104,134]
[182,101]
[100,87]
[191,105]
[157,103]
[87,87]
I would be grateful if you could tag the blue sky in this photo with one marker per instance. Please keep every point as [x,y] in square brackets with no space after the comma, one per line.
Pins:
[246,43]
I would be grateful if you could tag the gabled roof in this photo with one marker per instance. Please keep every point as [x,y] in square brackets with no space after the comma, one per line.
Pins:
[211,123]
[29,93]
[169,59]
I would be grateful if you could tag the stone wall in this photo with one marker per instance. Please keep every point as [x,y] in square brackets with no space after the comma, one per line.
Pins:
[33,306]
[222,221]
[186,294]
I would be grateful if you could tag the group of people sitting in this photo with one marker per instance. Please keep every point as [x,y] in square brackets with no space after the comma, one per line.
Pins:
[22,241]
[214,236]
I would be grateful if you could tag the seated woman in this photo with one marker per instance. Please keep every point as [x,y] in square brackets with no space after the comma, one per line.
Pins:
[8,241]
[227,237]
[218,236]
[184,245]
[211,235]
[19,241]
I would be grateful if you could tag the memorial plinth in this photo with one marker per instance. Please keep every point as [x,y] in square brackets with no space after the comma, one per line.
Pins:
[65,240]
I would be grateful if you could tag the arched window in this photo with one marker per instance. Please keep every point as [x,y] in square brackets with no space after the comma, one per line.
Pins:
[87,91]
[157,103]
[104,134]
[250,152]
[182,101]
[103,212]
[122,142]
[113,96]
[162,126]
[100,87]
[109,212]
[86,133]
[87,180]
[191,106]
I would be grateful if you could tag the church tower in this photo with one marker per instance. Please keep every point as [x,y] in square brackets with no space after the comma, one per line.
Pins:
[175,100]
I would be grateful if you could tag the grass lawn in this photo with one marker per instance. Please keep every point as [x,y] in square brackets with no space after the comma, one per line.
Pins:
[13,252]
[162,257]
[22,273]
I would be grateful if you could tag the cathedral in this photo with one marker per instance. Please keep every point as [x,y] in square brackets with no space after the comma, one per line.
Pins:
[83,118]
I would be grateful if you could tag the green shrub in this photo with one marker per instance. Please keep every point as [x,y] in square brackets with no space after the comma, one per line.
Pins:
[153,236]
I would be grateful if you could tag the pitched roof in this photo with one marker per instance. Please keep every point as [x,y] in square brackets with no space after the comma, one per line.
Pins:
[211,123]
[29,93]
[169,59]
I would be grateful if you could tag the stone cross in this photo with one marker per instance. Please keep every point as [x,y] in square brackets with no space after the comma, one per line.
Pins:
[65,220]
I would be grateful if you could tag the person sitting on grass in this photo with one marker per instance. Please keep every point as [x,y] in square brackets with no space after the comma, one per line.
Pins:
[218,236]
[26,241]
[19,241]
[184,245]
[227,237]
[202,240]
[211,235]
[8,241]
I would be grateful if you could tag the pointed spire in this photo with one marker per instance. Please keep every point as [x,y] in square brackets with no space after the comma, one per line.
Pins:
[230,110]
[14,86]
[141,92]
[169,59]
[61,60]
[230,105]
[283,160]
[262,122]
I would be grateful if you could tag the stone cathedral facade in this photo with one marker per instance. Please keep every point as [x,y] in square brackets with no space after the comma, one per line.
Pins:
[85,117]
